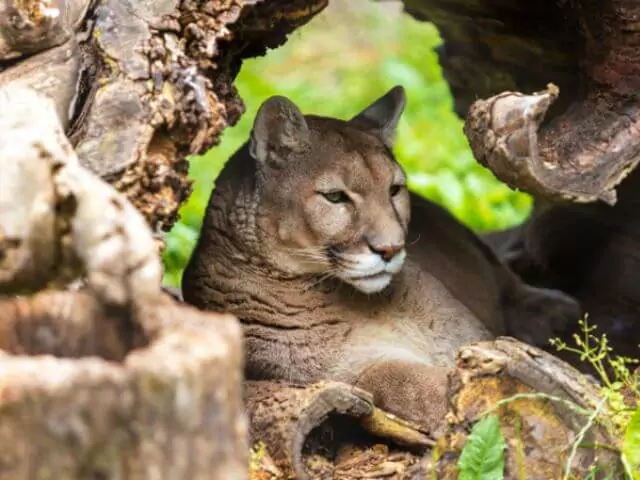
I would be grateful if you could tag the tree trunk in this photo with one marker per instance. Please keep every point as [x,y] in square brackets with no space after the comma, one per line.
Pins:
[85,394]
[114,380]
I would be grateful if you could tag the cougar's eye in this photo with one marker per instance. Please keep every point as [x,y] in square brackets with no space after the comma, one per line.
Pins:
[336,197]
[394,190]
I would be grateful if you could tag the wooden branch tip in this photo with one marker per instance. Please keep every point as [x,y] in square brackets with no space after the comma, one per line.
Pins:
[574,157]
[28,27]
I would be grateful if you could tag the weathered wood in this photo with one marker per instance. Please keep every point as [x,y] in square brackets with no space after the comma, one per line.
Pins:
[494,49]
[114,380]
[31,26]
[555,403]
[295,422]
[87,394]
[57,219]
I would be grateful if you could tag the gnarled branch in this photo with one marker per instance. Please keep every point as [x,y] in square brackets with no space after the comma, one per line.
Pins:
[574,144]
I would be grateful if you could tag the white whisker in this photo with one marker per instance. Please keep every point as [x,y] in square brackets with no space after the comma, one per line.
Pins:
[319,280]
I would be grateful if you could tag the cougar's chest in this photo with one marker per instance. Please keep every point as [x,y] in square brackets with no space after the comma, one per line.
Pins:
[297,355]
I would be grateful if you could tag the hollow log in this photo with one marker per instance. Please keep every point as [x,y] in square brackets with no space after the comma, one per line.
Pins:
[332,430]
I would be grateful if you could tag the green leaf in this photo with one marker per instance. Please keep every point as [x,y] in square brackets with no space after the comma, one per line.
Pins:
[482,457]
[631,446]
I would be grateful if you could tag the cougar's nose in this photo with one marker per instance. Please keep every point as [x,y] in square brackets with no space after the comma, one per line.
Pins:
[387,252]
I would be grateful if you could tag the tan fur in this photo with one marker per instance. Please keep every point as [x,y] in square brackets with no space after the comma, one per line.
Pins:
[278,254]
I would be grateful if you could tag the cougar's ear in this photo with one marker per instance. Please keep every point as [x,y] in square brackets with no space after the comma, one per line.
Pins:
[382,116]
[278,130]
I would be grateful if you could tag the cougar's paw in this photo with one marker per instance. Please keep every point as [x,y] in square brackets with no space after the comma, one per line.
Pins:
[536,315]
[412,391]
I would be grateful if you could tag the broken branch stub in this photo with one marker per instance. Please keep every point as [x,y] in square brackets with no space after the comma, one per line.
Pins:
[581,157]
[503,135]
[57,219]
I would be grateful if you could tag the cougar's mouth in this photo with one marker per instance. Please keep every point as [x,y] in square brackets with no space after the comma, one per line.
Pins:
[369,273]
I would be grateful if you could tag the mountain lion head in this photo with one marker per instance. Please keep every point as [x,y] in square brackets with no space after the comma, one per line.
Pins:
[332,200]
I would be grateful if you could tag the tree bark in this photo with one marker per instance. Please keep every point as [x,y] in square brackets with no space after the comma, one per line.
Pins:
[576,142]
[86,394]
[113,380]
[141,85]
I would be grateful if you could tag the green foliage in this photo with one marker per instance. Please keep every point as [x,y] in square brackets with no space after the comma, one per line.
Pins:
[620,389]
[482,457]
[620,384]
[631,446]
[335,66]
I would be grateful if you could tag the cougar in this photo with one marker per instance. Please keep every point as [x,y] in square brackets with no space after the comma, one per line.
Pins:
[307,239]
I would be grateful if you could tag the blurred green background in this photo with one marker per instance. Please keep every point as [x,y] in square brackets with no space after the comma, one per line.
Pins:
[345,58]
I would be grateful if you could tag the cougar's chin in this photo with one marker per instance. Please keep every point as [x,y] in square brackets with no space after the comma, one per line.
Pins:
[368,273]
[371,283]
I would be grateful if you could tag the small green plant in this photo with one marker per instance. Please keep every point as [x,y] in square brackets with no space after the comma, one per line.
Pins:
[482,457]
[596,474]
[620,389]
[620,385]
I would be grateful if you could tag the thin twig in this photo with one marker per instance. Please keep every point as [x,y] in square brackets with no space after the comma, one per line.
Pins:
[580,437]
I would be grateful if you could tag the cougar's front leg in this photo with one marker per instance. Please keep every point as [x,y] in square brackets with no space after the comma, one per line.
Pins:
[410,390]
[471,270]
[532,314]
